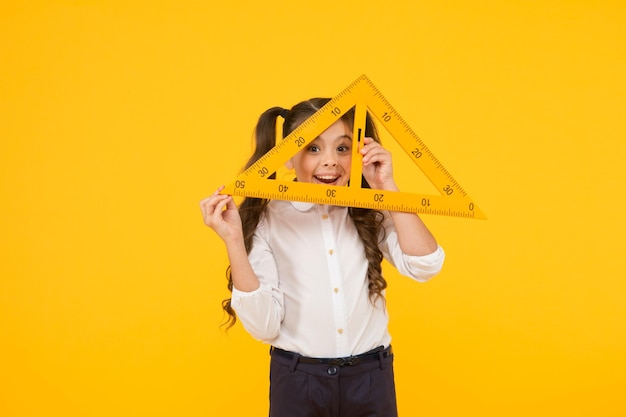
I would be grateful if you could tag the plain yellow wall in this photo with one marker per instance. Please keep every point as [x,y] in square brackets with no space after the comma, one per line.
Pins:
[117,117]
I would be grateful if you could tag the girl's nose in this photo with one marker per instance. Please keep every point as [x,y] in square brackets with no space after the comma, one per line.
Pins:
[329,159]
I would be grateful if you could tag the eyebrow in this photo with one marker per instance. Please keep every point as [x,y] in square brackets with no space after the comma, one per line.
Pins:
[338,137]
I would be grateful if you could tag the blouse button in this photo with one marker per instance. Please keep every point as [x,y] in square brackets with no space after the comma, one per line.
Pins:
[336,290]
[331,252]
[325,216]
[340,331]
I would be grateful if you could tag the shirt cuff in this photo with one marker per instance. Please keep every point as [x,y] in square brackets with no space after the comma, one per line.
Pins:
[244,294]
[425,267]
[430,259]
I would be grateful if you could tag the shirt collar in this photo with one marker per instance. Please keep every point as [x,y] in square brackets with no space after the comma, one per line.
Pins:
[301,205]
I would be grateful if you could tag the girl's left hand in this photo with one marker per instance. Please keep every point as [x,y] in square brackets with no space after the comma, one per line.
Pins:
[377,166]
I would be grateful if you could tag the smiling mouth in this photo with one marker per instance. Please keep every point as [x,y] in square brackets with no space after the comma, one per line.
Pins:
[326,179]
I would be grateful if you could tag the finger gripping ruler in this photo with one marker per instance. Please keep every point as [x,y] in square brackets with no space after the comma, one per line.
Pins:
[364,97]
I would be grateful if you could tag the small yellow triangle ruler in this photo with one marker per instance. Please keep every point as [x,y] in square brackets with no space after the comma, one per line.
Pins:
[363,96]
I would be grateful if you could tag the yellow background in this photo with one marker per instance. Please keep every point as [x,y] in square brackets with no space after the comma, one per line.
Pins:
[117,117]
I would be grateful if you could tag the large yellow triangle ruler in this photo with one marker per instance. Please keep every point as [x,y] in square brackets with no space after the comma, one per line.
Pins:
[363,96]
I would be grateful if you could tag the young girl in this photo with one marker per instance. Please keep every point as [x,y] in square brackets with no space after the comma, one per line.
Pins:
[307,279]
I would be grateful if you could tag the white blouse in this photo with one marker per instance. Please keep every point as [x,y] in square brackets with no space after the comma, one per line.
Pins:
[313,296]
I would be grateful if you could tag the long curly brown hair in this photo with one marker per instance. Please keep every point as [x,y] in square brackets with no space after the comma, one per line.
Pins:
[368,222]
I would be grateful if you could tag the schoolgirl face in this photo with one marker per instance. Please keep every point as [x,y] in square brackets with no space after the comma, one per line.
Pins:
[327,159]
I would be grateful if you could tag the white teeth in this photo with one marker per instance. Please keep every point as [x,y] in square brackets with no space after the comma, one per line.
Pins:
[326,177]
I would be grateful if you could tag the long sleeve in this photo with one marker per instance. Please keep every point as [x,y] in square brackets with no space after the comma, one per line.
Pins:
[420,268]
[261,311]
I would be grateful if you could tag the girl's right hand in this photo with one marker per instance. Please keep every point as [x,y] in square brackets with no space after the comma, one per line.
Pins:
[220,213]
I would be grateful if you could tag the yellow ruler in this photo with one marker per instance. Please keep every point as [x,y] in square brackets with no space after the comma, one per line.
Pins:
[363,96]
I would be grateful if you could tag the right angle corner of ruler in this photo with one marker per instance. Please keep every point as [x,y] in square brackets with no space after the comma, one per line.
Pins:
[258,180]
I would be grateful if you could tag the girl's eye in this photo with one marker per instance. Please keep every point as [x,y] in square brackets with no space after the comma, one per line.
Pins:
[314,148]
[343,148]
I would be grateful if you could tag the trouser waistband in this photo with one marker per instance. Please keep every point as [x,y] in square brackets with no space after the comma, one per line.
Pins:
[378,353]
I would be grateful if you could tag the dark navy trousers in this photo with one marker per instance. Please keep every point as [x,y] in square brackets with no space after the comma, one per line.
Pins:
[321,390]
